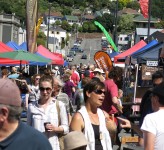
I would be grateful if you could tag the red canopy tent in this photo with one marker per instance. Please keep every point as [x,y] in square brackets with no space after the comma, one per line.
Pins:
[59,60]
[130,51]
[7,61]
[56,59]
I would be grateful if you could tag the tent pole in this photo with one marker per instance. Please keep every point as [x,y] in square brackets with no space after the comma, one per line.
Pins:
[37,69]
[135,85]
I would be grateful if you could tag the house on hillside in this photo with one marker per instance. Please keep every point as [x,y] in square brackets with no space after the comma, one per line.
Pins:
[128,11]
[98,14]
[141,33]
[56,36]
[54,16]
[101,12]
[105,11]
[72,19]
[88,18]
[141,22]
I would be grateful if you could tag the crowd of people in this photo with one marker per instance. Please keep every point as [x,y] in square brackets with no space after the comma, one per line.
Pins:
[81,104]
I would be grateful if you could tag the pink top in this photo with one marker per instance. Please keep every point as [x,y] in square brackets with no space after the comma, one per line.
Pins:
[111,91]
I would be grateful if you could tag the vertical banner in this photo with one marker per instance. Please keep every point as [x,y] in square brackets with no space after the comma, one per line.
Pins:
[144,5]
[31,19]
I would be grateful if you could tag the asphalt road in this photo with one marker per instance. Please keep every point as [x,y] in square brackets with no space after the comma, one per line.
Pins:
[90,47]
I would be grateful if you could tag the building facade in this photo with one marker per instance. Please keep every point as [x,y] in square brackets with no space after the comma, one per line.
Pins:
[9,28]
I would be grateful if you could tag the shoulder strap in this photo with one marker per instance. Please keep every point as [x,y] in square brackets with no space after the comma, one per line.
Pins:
[58,111]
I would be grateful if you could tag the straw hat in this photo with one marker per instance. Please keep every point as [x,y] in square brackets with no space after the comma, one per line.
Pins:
[74,139]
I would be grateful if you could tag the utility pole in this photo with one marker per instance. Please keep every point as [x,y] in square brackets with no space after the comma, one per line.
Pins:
[116,20]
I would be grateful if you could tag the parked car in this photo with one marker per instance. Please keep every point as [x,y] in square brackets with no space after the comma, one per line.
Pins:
[69,58]
[73,53]
[77,49]
[84,56]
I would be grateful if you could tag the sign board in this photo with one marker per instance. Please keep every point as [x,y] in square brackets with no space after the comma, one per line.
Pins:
[147,72]
[152,63]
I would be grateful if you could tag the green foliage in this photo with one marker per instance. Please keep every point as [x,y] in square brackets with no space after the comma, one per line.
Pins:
[85,27]
[134,5]
[126,23]
[66,26]
[157,9]
[160,25]
[41,39]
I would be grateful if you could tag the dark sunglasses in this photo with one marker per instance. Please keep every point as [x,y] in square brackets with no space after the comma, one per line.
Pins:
[43,89]
[37,78]
[99,92]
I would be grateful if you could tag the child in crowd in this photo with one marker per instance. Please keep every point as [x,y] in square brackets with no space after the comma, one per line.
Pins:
[120,95]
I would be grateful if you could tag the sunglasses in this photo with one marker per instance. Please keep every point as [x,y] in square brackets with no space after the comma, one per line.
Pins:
[99,92]
[37,78]
[42,89]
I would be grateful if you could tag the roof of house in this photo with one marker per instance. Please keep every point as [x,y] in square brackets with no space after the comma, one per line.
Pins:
[140,18]
[90,17]
[128,11]
[76,12]
[57,28]
[55,14]
[98,13]
[158,35]
[143,31]
[74,18]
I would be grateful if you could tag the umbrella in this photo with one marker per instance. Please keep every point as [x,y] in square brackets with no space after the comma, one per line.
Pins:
[24,55]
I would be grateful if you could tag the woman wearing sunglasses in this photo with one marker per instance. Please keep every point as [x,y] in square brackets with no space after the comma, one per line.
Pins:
[91,120]
[34,92]
[43,114]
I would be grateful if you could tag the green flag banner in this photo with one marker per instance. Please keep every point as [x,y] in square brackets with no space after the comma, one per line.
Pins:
[107,35]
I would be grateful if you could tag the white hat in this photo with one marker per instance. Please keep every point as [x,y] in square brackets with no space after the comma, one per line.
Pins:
[99,70]
[74,139]
[53,71]
[56,68]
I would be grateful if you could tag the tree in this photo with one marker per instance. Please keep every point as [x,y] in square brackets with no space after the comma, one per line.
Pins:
[160,25]
[57,22]
[134,5]
[126,23]
[65,25]
[41,39]
[157,9]
[85,27]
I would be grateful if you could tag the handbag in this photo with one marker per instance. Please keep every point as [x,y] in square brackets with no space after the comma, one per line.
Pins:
[60,135]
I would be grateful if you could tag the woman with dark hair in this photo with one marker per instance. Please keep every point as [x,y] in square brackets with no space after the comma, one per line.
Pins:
[43,114]
[91,120]
[34,92]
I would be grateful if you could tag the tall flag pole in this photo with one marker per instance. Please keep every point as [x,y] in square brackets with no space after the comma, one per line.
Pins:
[31,20]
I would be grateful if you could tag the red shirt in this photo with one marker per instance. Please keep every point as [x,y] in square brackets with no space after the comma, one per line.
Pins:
[75,78]
[111,91]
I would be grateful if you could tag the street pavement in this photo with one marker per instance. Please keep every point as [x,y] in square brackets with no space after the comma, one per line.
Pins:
[90,47]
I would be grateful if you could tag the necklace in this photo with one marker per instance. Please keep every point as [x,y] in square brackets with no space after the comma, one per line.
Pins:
[94,120]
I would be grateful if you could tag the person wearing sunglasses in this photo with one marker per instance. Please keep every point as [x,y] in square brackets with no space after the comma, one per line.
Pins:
[43,114]
[91,120]
[34,92]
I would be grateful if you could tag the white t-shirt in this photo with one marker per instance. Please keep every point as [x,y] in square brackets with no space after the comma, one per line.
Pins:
[154,123]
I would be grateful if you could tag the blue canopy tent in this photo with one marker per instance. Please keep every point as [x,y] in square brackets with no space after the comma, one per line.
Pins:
[152,43]
[23,46]
[113,54]
[151,53]
[13,45]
